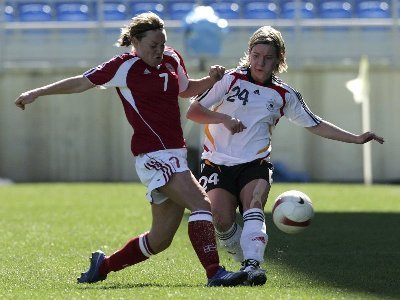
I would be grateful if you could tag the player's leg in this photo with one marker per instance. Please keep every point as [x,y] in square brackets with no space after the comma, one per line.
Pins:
[184,189]
[220,183]
[228,232]
[254,236]
[166,219]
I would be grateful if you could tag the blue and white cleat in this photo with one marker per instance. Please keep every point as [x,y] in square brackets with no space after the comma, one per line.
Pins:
[92,275]
[226,278]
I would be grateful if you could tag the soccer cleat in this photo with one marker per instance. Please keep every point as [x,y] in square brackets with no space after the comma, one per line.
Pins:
[226,278]
[255,275]
[92,275]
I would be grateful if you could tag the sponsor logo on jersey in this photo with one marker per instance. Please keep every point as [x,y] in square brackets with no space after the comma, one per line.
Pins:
[146,71]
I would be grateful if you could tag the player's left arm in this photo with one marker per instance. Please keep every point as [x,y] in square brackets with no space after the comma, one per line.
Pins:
[199,114]
[333,132]
[198,86]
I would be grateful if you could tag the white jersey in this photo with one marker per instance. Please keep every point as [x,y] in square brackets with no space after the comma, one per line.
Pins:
[259,107]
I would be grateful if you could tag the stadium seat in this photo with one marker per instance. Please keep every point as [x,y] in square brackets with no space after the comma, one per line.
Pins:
[260,10]
[178,10]
[307,10]
[73,11]
[137,7]
[34,12]
[114,10]
[332,9]
[9,12]
[226,10]
[372,9]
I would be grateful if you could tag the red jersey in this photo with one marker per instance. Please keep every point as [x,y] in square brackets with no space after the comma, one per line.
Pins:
[149,96]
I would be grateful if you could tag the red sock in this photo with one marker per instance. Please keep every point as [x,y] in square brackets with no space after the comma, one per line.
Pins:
[202,236]
[135,251]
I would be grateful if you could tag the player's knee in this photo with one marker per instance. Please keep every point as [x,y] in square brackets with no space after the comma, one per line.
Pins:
[258,199]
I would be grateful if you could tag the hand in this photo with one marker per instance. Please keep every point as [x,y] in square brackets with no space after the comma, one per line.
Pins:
[234,125]
[216,72]
[369,136]
[25,98]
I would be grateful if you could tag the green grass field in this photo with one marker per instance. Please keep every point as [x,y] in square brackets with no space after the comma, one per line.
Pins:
[47,232]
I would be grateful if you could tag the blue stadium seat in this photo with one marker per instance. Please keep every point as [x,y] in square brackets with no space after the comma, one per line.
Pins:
[260,10]
[178,10]
[137,7]
[307,10]
[34,12]
[227,9]
[73,11]
[114,10]
[333,9]
[9,12]
[372,9]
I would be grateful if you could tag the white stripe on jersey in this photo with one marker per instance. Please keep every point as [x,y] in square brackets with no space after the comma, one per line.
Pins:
[182,75]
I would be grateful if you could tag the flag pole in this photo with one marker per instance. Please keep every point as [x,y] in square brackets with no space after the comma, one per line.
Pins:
[367,157]
[360,90]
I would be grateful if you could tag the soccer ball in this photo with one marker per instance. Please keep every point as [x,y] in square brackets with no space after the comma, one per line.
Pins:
[292,211]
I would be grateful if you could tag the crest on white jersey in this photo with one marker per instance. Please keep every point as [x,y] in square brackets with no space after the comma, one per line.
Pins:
[270,105]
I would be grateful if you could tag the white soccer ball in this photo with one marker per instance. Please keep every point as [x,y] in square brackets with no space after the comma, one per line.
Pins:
[292,211]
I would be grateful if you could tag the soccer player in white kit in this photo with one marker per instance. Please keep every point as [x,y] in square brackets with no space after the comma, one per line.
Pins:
[240,112]
[148,81]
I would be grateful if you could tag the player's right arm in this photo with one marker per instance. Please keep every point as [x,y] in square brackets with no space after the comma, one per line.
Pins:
[76,84]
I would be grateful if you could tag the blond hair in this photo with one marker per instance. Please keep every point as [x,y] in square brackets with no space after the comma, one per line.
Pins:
[138,26]
[269,36]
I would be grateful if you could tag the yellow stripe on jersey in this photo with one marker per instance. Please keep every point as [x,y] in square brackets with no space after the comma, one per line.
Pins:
[208,135]
[267,148]
[207,129]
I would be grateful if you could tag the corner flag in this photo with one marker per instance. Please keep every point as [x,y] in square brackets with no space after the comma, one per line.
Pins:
[359,87]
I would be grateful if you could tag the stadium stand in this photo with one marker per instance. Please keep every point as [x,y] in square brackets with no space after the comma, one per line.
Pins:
[307,10]
[360,22]
[34,12]
[73,11]
[335,9]
[179,9]
[145,6]
[227,9]
[372,9]
[114,10]
[260,10]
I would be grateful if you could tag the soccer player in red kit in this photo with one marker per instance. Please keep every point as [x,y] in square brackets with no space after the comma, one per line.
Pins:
[148,81]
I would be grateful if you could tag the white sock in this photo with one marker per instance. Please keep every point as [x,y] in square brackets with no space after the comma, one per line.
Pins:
[230,241]
[254,236]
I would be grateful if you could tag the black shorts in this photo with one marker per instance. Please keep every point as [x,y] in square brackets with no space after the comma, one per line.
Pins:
[234,178]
